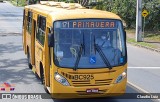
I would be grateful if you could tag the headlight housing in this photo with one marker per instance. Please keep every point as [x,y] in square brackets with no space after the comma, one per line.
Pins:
[61,79]
[121,77]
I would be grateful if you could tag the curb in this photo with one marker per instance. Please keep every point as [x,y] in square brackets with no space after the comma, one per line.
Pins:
[10,34]
[149,48]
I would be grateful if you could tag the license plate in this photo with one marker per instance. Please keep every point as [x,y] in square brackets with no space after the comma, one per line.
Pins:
[95,90]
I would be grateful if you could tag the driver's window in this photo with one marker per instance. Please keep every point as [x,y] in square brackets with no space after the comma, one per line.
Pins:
[104,40]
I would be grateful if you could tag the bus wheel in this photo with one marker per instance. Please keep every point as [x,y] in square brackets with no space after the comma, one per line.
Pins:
[42,74]
[46,90]
[29,61]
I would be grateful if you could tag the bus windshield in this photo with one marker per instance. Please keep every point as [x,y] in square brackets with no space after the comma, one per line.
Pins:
[74,36]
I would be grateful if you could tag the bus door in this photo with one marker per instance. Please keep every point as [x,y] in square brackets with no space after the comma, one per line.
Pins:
[39,43]
[48,59]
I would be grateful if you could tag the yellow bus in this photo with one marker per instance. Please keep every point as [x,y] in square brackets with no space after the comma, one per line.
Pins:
[76,52]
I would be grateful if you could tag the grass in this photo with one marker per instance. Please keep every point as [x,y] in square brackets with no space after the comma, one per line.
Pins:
[153,36]
[132,40]
[130,31]
[149,36]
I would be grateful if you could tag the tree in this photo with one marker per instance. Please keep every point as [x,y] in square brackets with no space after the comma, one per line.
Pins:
[82,2]
[152,20]
[126,9]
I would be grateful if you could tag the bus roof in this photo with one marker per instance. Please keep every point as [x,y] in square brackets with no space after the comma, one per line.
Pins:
[62,11]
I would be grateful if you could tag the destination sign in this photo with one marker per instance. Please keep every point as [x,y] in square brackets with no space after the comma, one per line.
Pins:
[86,24]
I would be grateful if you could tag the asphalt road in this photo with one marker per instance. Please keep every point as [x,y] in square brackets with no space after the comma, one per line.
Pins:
[143,71]
[10,19]
[144,68]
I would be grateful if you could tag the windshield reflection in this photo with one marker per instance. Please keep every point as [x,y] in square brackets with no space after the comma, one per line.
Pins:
[68,43]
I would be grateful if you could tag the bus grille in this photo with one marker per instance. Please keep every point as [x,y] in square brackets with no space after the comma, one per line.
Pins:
[90,83]
[81,83]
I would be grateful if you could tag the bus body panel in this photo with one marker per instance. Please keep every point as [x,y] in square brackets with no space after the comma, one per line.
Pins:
[80,92]
[38,56]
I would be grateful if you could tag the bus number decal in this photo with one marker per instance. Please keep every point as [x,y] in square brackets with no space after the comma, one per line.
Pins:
[83,77]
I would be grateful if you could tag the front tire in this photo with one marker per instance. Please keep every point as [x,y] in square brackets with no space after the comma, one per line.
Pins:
[42,74]
[46,90]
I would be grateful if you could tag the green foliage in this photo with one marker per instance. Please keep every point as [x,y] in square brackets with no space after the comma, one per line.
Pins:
[153,19]
[18,2]
[144,44]
[126,9]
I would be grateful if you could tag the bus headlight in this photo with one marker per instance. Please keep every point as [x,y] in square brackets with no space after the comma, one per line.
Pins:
[61,79]
[121,77]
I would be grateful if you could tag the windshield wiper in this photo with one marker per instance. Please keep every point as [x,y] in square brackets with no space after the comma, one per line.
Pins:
[78,57]
[104,58]
[82,47]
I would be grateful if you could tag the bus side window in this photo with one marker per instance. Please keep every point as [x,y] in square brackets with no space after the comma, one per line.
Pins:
[41,27]
[24,16]
[29,24]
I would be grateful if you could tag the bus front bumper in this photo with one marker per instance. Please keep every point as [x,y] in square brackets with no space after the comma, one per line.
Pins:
[62,92]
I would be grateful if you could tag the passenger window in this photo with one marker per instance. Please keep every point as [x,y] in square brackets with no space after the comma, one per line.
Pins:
[29,24]
[24,17]
[41,27]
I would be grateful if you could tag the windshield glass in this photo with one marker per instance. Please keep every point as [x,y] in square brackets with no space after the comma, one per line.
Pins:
[73,36]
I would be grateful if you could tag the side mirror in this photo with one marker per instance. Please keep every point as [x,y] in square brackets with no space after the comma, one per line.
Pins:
[51,40]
